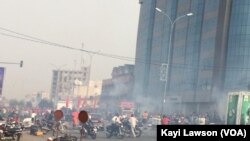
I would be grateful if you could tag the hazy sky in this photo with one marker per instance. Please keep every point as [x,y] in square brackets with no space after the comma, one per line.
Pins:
[109,26]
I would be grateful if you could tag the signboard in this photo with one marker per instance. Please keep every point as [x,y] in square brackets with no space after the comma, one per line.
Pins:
[238,108]
[1,80]
[127,105]
[164,72]
[232,108]
[245,109]
[83,116]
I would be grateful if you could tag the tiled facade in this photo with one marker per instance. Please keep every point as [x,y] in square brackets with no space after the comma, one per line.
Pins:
[210,52]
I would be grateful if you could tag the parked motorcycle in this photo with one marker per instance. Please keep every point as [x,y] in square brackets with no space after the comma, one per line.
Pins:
[115,130]
[88,129]
[10,132]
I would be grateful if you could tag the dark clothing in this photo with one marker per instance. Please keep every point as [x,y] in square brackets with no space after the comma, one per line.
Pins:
[1,118]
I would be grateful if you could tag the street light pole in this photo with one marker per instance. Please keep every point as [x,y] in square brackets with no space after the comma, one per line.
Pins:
[169,52]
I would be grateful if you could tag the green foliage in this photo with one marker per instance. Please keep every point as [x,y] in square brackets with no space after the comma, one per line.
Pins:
[44,103]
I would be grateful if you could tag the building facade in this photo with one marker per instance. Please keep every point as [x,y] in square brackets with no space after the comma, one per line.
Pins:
[119,87]
[209,53]
[65,83]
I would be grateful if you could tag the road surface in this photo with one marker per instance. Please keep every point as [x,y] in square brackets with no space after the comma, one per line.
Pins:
[148,135]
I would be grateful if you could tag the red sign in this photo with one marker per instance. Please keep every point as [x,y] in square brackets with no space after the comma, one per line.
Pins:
[67,102]
[79,102]
[127,105]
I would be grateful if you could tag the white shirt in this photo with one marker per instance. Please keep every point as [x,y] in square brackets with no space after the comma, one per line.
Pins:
[116,119]
[202,121]
[133,121]
[33,115]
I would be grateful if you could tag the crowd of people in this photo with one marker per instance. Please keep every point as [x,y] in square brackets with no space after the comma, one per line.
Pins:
[134,118]
[193,119]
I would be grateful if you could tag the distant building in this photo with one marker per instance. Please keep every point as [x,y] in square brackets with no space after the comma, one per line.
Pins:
[107,87]
[40,96]
[87,96]
[95,88]
[119,87]
[64,82]
[43,95]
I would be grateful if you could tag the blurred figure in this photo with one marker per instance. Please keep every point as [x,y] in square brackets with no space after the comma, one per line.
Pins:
[50,117]
[165,120]
[144,117]
[133,121]
[116,122]
[1,115]
[201,120]
[13,117]
[75,118]
[33,116]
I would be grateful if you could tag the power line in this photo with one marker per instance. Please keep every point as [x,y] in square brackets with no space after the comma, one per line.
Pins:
[38,40]
[64,46]
[123,58]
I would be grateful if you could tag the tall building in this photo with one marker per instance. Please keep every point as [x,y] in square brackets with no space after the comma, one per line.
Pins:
[209,54]
[65,82]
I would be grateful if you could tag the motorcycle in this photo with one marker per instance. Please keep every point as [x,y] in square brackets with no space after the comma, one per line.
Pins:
[48,126]
[10,132]
[115,130]
[64,138]
[127,129]
[60,127]
[45,126]
[88,129]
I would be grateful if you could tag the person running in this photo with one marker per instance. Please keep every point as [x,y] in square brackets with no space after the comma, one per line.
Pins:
[133,121]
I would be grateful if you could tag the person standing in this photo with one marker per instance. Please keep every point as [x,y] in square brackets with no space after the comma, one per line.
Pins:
[144,117]
[165,120]
[33,116]
[116,122]
[133,121]
[201,120]
[75,118]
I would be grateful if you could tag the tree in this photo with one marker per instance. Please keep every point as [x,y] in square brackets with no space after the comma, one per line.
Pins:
[29,104]
[44,103]
[21,103]
[13,103]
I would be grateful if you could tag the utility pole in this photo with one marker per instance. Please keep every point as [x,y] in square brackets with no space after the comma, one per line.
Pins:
[79,99]
[90,65]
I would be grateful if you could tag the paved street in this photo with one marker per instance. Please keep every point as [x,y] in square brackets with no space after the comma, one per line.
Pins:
[148,135]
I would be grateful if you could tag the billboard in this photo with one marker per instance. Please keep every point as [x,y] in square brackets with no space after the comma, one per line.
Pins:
[1,80]
[238,108]
[232,108]
[245,109]
[127,105]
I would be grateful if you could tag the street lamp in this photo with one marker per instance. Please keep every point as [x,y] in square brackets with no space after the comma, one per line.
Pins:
[169,50]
